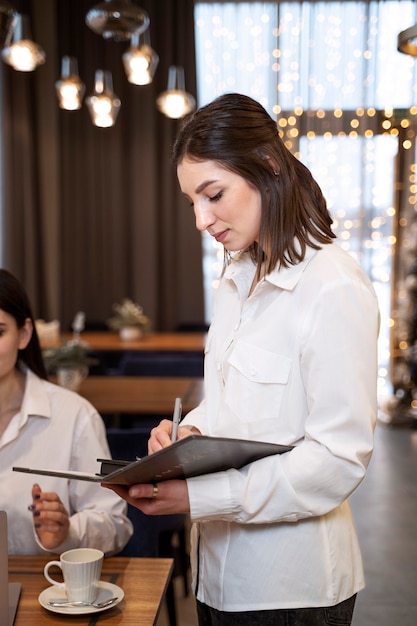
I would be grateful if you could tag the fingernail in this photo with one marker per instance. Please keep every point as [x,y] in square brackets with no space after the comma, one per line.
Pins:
[36,513]
[37,525]
[36,496]
[31,507]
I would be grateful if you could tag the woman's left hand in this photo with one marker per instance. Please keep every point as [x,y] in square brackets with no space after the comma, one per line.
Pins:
[166,498]
[50,517]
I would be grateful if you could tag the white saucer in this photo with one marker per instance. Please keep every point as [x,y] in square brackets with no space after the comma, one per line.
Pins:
[106,591]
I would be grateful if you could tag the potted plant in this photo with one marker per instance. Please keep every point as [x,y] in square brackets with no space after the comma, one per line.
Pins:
[70,362]
[129,320]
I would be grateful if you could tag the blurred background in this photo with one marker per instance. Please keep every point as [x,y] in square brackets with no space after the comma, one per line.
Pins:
[91,215]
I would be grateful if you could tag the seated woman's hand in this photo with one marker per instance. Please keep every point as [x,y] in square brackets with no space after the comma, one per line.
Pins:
[160,436]
[50,517]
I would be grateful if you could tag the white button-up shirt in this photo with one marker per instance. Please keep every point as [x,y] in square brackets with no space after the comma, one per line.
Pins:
[58,429]
[294,363]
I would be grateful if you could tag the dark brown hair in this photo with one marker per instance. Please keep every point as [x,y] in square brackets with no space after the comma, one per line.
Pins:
[237,132]
[15,302]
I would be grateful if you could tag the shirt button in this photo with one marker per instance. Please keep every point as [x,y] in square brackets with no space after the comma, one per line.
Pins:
[219,366]
[253,371]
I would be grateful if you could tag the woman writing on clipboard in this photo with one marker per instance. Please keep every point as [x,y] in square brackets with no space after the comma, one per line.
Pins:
[290,358]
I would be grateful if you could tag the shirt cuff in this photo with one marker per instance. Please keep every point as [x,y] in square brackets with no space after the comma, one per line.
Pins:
[208,495]
[72,541]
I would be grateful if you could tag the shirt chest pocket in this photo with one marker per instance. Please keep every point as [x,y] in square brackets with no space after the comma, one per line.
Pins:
[255,382]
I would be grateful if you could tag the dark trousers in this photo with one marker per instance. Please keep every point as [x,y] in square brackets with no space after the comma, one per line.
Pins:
[338,615]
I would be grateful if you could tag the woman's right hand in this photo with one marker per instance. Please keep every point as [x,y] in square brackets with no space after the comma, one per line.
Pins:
[50,517]
[160,436]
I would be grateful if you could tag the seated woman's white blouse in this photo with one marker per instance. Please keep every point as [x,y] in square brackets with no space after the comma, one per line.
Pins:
[58,429]
[295,363]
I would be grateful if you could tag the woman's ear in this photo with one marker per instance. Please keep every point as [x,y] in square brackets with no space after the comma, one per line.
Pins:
[25,333]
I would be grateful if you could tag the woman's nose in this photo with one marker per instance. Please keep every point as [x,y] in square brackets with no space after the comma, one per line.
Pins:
[203,217]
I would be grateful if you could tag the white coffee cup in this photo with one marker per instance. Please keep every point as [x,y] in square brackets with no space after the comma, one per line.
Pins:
[81,570]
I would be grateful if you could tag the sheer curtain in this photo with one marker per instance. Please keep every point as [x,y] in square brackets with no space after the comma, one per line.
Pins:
[343,97]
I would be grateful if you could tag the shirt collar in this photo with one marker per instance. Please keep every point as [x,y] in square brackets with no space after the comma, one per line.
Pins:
[35,404]
[35,399]
[286,278]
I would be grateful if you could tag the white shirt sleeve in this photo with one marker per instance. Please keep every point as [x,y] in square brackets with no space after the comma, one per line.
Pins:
[97,515]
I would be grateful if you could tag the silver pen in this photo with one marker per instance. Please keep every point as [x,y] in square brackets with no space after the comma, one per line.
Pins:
[176,418]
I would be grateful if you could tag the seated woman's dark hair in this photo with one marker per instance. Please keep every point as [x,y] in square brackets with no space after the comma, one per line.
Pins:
[15,302]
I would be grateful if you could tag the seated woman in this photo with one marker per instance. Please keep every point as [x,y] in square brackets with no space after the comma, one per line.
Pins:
[44,425]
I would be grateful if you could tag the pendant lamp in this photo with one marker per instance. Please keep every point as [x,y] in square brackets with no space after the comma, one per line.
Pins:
[23,54]
[175,102]
[117,19]
[103,104]
[70,88]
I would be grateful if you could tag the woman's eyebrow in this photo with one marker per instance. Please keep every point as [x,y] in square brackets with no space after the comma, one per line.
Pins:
[205,184]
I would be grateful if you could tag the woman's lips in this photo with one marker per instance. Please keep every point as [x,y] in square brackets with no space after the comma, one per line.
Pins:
[220,236]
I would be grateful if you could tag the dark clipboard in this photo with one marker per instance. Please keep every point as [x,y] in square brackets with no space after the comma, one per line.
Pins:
[192,456]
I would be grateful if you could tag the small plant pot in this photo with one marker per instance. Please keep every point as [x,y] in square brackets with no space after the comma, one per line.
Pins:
[130,333]
[71,377]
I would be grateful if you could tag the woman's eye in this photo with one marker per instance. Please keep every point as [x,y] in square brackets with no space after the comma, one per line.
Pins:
[217,197]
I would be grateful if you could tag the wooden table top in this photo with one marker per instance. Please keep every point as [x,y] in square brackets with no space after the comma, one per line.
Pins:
[163,341]
[144,582]
[141,394]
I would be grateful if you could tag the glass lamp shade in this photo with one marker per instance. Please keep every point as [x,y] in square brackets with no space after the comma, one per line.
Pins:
[70,88]
[175,102]
[117,19]
[103,104]
[23,54]
[8,18]
[140,60]
[407,41]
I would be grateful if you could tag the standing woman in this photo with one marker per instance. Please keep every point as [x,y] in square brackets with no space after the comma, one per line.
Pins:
[44,425]
[291,358]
